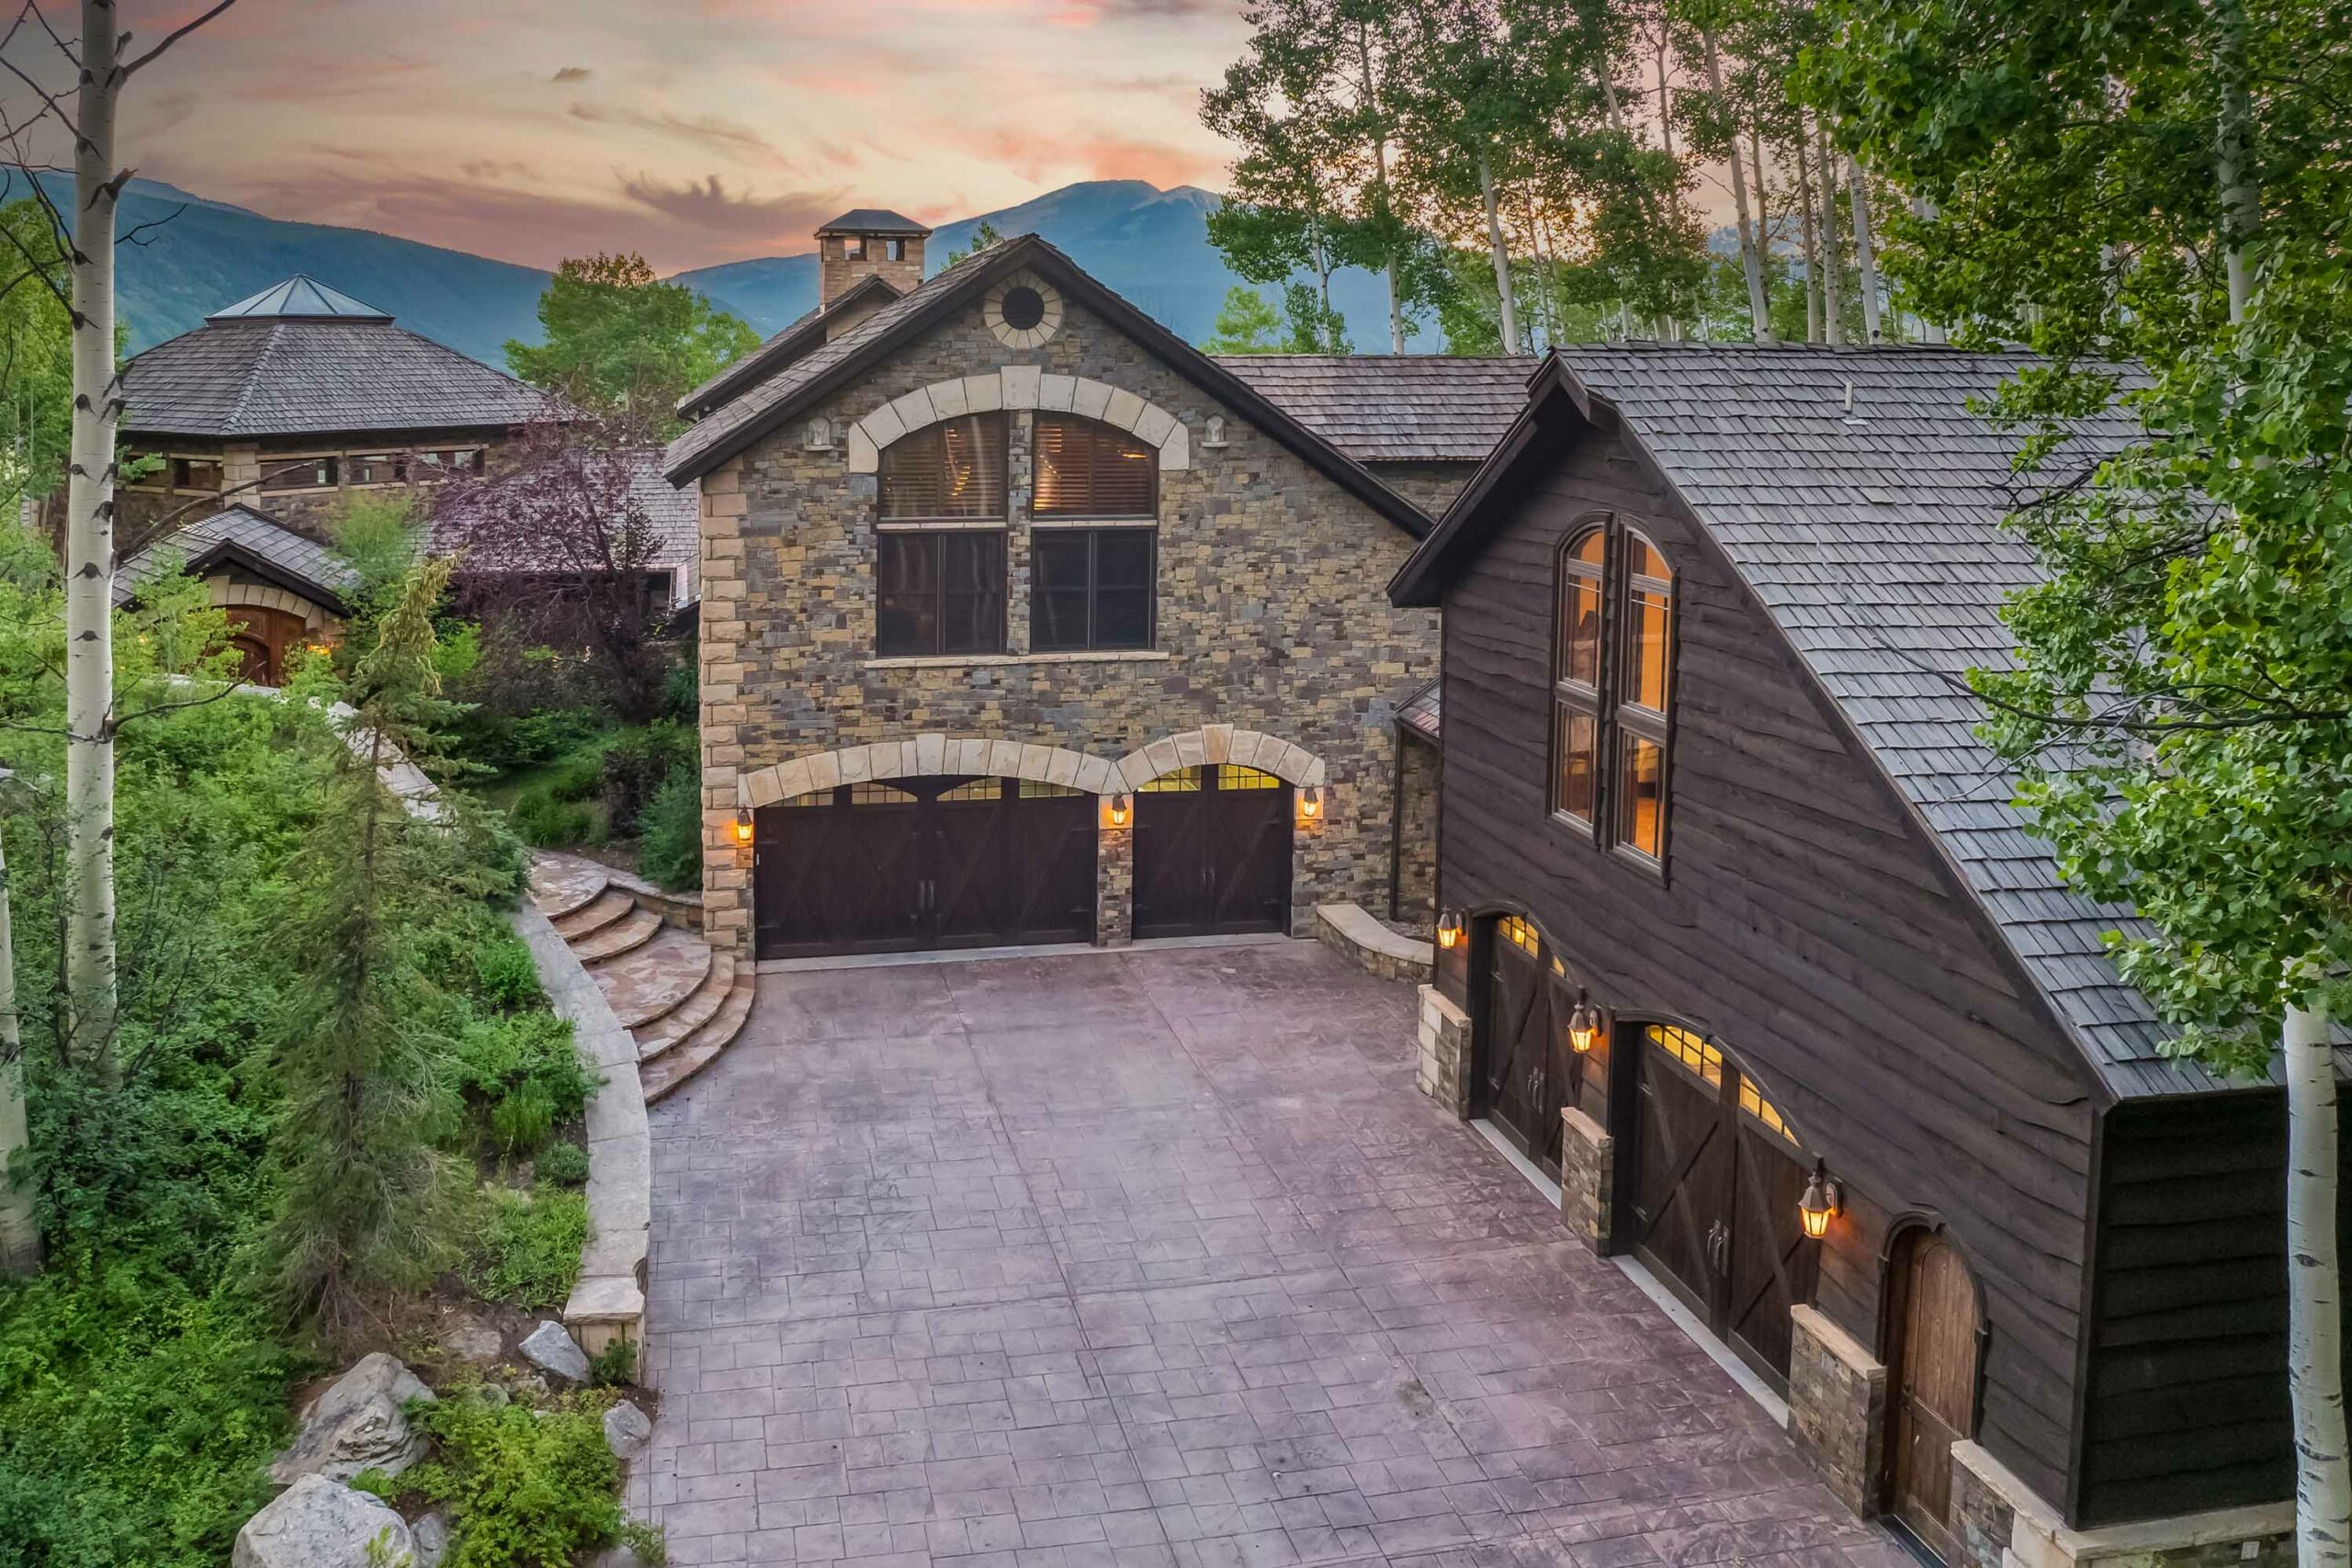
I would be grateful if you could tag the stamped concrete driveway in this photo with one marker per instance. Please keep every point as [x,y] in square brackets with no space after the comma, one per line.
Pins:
[1156,1258]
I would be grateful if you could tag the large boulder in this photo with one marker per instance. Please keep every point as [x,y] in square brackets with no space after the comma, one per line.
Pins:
[318,1523]
[551,1349]
[356,1424]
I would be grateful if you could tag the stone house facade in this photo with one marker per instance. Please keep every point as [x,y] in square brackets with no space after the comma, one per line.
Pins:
[1272,651]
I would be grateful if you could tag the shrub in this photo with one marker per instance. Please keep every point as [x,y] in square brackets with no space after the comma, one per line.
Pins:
[547,823]
[638,764]
[576,778]
[504,974]
[525,1489]
[669,850]
[526,1248]
[566,1165]
[615,1366]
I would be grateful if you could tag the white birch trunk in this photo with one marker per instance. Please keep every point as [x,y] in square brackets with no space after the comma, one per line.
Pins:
[1865,252]
[19,1235]
[89,553]
[2314,1324]
[1508,314]
[1808,220]
[2241,207]
[1751,257]
[1832,261]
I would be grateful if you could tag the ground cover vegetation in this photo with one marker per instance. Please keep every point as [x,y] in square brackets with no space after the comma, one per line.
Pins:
[332,1092]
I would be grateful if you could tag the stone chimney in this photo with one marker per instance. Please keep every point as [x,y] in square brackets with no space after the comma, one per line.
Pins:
[868,242]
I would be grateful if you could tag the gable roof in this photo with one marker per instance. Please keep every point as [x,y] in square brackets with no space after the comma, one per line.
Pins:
[795,338]
[872,220]
[243,537]
[262,373]
[734,426]
[301,296]
[1873,541]
[1394,408]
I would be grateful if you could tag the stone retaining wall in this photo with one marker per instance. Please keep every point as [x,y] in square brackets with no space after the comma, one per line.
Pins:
[607,1304]
[1370,946]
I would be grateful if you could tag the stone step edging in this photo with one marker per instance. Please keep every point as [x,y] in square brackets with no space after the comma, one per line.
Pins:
[608,1302]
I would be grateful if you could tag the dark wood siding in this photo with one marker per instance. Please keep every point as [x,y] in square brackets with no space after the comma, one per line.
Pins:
[2187,1405]
[1806,919]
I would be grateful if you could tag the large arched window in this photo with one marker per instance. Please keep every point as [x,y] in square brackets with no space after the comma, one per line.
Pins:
[939,560]
[1094,505]
[1613,642]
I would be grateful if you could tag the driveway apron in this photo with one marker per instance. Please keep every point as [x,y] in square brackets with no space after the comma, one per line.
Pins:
[1158,1259]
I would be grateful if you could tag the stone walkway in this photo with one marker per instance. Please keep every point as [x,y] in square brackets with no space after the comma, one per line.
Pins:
[1157,1259]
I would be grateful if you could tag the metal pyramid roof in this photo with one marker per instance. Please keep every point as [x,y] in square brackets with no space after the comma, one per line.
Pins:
[301,296]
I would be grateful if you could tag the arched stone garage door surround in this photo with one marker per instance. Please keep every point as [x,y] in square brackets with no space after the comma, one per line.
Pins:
[930,754]
[935,754]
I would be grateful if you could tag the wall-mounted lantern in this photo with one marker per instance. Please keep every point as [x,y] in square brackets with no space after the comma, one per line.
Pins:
[1310,804]
[1823,1201]
[1118,810]
[1584,1024]
[1449,930]
[742,828]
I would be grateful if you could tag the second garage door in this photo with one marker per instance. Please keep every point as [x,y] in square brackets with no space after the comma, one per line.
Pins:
[916,863]
[1212,852]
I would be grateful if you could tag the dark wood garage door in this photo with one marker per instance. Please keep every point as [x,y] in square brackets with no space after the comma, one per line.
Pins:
[1718,1175]
[1212,852]
[916,863]
[1526,1072]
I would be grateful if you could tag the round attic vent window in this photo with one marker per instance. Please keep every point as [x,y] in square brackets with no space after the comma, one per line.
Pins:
[1022,307]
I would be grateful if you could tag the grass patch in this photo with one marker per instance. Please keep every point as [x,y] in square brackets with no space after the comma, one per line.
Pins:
[526,1245]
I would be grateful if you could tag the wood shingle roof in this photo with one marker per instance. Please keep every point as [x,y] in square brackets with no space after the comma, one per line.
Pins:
[271,372]
[1394,408]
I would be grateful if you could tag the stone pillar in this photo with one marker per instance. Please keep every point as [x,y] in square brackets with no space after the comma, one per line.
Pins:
[726,867]
[1115,879]
[1588,1177]
[1838,1408]
[1444,1070]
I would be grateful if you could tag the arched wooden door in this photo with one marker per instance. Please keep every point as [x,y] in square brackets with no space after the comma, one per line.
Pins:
[1934,1377]
[263,638]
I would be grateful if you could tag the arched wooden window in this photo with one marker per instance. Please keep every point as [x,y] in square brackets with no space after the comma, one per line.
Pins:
[939,561]
[1611,646]
[1576,678]
[1647,598]
[1094,546]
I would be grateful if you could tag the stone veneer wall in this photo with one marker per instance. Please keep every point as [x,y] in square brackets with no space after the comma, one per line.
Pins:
[1443,1064]
[1429,486]
[1416,861]
[1838,1408]
[2001,1524]
[1272,614]
[1588,1177]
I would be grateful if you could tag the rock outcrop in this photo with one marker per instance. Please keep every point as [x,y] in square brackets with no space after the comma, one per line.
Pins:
[318,1523]
[357,1425]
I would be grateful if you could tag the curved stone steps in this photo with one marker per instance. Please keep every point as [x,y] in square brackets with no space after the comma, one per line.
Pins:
[652,981]
[564,886]
[718,983]
[626,935]
[610,908]
[665,1073]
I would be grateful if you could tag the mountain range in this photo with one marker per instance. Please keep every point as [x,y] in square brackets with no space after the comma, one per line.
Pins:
[192,256]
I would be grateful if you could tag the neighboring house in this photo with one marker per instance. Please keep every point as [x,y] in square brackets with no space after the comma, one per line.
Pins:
[292,400]
[281,590]
[1715,810]
[1024,621]
[283,406]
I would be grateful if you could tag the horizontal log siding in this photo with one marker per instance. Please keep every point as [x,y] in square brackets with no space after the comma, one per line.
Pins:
[2187,1405]
[1807,919]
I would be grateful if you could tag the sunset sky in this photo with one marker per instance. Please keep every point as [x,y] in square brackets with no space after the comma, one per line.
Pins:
[693,130]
